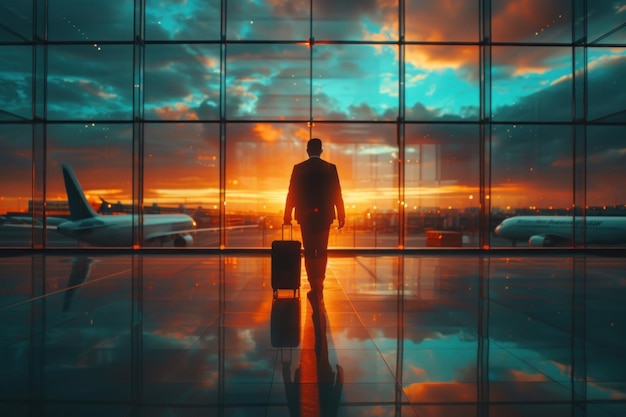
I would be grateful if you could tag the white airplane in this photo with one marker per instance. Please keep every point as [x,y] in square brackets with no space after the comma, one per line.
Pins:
[560,230]
[87,226]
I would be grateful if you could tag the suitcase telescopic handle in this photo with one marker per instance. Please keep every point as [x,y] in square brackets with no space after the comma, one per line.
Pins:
[290,231]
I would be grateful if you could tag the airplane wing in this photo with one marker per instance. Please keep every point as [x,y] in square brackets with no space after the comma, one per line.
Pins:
[27,222]
[27,226]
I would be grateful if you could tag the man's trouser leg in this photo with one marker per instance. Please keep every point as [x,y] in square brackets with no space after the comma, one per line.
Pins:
[315,242]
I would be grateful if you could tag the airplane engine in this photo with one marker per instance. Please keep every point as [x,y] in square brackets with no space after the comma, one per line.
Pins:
[183,240]
[540,241]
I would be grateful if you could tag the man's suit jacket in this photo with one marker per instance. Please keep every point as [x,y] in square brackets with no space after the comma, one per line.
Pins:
[314,192]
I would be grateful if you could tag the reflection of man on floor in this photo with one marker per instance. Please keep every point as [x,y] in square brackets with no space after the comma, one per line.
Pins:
[315,193]
[316,388]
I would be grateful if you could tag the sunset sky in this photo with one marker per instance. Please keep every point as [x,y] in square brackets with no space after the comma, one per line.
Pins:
[347,81]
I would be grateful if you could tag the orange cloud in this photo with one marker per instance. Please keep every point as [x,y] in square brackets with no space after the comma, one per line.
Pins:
[92,89]
[207,61]
[268,133]
[526,19]
[438,58]
[179,111]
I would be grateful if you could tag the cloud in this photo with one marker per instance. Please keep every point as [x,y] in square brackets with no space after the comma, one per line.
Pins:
[273,20]
[185,73]
[532,21]
[183,20]
[179,111]
[268,133]
[435,21]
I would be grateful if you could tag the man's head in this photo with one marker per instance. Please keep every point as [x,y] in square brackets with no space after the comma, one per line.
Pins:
[314,147]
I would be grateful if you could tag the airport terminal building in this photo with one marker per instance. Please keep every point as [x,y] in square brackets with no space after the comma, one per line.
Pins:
[147,149]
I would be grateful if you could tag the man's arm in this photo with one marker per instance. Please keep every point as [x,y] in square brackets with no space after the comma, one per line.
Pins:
[338,201]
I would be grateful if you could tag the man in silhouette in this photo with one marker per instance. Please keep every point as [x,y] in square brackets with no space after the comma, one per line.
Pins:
[315,194]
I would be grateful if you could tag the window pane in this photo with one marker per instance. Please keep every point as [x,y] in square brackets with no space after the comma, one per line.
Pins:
[99,88]
[532,84]
[183,20]
[355,82]
[16,21]
[607,90]
[268,20]
[358,20]
[259,158]
[268,81]
[92,21]
[16,83]
[439,21]
[531,172]
[100,156]
[442,182]
[606,170]
[366,156]
[181,175]
[604,18]
[442,82]
[16,187]
[182,82]
[536,21]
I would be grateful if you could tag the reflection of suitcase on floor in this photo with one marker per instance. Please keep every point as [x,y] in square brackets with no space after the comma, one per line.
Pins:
[285,322]
[286,264]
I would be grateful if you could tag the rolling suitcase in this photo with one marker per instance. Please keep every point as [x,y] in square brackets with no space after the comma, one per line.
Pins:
[286,264]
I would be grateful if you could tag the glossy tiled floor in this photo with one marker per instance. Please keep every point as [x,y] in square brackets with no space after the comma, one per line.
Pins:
[423,335]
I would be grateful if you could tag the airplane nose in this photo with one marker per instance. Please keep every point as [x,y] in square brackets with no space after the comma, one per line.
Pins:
[496,231]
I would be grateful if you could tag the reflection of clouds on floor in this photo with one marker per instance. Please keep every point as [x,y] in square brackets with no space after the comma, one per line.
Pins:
[196,328]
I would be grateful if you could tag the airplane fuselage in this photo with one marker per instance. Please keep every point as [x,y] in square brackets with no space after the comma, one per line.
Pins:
[540,230]
[116,230]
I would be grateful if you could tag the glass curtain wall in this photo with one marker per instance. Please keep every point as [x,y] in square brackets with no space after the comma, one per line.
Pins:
[159,124]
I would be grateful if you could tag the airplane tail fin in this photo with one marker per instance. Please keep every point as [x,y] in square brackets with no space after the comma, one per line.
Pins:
[79,207]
